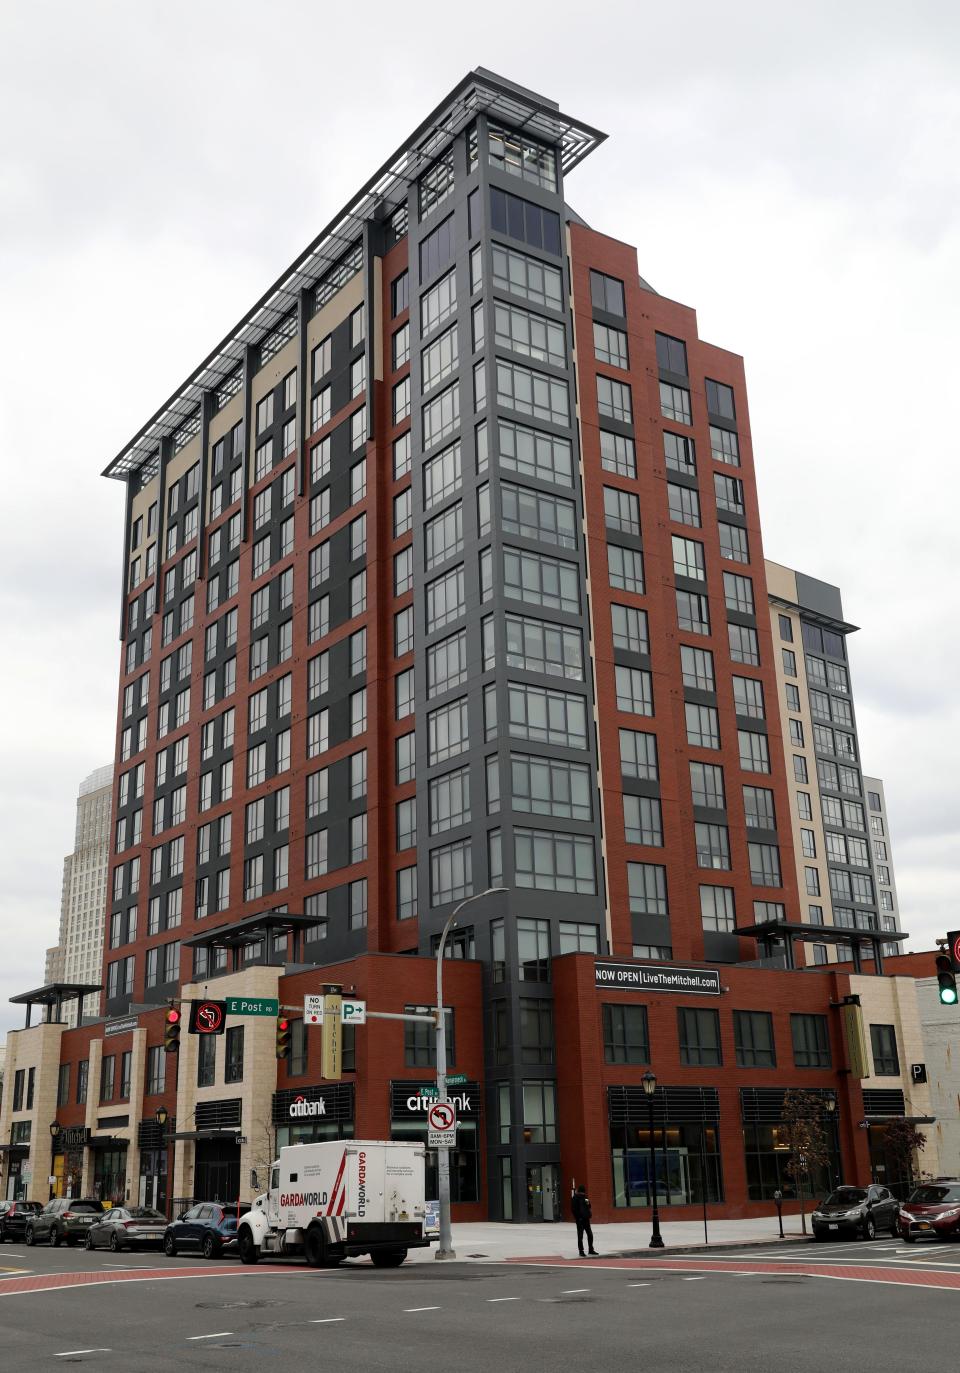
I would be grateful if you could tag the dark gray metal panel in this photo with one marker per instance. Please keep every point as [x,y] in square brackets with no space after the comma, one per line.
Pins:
[819,596]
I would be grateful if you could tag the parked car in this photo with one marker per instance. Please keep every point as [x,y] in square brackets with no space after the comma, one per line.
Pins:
[127,1227]
[208,1226]
[932,1209]
[14,1216]
[62,1221]
[856,1211]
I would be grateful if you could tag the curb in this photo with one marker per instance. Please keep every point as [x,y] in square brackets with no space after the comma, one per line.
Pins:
[709,1248]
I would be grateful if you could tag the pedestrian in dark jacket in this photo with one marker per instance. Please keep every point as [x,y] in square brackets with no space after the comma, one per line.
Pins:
[582,1212]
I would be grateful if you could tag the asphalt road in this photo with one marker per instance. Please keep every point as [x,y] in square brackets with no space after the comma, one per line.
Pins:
[474,1317]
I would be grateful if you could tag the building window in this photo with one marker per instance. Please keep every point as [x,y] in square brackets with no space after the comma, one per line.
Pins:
[606,293]
[753,1037]
[717,912]
[886,1060]
[699,1032]
[811,1041]
[539,1112]
[206,1060]
[233,1069]
[626,1037]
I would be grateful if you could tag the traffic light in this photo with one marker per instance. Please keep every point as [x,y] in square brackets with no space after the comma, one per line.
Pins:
[171,1032]
[283,1037]
[947,979]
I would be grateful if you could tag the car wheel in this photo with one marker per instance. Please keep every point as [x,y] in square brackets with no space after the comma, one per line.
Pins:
[54,1237]
[88,1241]
[249,1252]
[115,1243]
[211,1249]
[869,1229]
[169,1247]
[388,1258]
[28,1236]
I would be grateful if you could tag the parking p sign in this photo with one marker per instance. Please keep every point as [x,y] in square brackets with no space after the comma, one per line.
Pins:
[353,1012]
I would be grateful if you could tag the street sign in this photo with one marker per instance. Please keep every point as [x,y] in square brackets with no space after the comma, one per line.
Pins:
[313,1010]
[253,1005]
[442,1116]
[353,1012]
[207,1017]
[442,1139]
[456,1079]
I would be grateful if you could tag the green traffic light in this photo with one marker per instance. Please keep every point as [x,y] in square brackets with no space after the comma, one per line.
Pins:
[948,996]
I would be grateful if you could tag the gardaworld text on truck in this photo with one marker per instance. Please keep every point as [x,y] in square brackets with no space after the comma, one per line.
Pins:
[337,1199]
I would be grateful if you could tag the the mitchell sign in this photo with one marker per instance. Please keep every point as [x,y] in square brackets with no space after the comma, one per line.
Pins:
[644,978]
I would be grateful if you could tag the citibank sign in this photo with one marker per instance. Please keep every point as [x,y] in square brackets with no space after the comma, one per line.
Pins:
[301,1107]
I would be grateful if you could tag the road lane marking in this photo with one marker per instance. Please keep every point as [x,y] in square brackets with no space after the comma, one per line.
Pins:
[409,1310]
[701,1278]
[217,1335]
[503,1299]
[572,1291]
[638,1284]
[326,1320]
[66,1353]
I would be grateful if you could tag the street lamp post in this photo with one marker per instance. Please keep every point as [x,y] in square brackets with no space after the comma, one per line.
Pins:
[445,1248]
[649,1081]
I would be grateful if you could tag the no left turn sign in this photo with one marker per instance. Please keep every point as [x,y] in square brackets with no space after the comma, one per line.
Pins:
[442,1116]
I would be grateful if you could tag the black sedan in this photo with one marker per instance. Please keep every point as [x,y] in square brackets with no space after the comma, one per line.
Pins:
[127,1227]
[14,1216]
[208,1226]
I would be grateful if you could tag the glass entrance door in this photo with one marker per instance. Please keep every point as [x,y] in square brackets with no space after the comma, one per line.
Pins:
[543,1201]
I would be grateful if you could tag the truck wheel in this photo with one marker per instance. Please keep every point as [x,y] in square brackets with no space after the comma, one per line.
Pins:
[388,1258]
[249,1252]
[314,1247]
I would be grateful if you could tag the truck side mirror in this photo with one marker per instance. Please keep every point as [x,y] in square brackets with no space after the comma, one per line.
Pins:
[253,1180]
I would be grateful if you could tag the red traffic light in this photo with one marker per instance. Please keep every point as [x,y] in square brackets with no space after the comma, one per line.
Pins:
[283,1024]
[173,1016]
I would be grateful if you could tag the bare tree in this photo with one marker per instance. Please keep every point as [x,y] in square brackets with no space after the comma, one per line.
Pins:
[802,1122]
[902,1142]
[262,1151]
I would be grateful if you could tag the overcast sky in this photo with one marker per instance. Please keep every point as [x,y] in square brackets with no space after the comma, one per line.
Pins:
[789,171]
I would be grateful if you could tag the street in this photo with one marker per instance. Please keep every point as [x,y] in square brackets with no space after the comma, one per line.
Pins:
[692,1312]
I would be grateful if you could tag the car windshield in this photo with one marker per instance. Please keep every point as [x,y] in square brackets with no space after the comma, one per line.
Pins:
[145,1213]
[846,1196]
[931,1195]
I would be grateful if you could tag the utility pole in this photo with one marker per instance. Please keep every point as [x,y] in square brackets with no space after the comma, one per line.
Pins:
[445,1248]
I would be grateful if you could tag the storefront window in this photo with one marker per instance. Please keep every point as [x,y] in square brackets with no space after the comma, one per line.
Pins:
[687,1164]
[464,1159]
[409,1102]
[110,1175]
[767,1155]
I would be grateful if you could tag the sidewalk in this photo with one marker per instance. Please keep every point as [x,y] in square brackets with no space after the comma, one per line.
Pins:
[486,1240]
